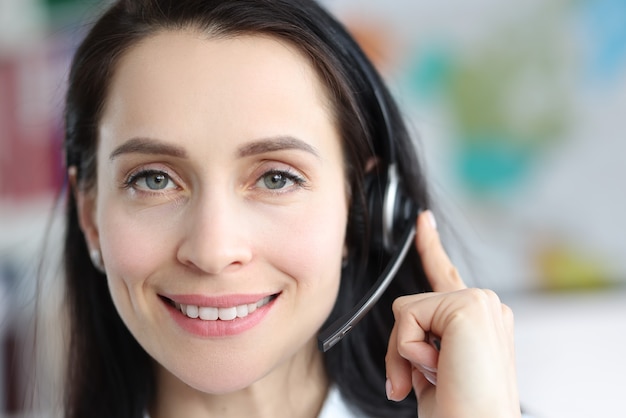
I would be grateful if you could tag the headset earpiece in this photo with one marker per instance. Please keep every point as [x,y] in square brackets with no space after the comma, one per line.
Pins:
[390,209]
[374,186]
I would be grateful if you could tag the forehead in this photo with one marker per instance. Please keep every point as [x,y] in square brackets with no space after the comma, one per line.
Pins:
[189,63]
[198,92]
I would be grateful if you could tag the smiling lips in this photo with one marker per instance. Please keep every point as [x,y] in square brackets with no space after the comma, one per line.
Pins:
[218,316]
[210,313]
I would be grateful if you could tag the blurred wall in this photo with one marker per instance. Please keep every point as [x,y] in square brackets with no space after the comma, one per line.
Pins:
[519,109]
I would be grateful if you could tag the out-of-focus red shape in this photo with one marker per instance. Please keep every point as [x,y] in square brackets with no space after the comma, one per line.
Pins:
[376,40]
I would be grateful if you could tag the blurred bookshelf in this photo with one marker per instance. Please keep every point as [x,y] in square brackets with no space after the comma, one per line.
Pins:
[36,42]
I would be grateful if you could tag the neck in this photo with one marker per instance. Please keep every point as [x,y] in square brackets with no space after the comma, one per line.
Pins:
[296,389]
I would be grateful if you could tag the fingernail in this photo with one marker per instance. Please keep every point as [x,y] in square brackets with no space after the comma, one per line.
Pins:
[431,377]
[423,368]
[389,389]
[430,373]
[431,219]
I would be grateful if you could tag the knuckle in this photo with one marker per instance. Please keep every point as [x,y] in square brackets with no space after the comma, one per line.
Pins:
[404,349]
[477,296]
[491,295]
[482,299]
[399,305]
[488,302]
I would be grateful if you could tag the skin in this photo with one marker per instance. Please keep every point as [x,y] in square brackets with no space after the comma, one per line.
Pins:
[227,107]
[213,115]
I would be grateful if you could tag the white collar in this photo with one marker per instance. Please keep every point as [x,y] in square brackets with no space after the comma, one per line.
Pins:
[334,406]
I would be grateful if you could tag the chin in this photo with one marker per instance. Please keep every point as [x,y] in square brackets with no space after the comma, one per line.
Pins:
[222,386]
[218,376]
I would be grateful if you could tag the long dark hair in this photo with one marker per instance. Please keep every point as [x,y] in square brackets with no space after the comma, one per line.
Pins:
[109,374]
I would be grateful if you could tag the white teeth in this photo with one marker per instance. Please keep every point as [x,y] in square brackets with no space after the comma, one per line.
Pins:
[192,311]
[263,301]
[228,314]
[242,311]
[209,313]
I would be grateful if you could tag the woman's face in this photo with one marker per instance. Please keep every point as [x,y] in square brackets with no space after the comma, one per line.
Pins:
[221,192]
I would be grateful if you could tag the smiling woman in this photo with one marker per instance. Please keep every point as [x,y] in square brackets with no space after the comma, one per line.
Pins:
[220,195]
[239,177]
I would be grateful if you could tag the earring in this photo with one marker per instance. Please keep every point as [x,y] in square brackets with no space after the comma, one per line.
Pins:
[96,259]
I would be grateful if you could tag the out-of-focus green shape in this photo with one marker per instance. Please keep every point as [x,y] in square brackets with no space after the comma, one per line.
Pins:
[68,12]
[429,73]
[508,96]
[56,3]
[562,267]
[508,103]
[492,165]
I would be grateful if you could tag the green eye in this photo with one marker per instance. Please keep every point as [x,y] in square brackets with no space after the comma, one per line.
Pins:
[156,181]
[275,180]
[151,180]
[279,179]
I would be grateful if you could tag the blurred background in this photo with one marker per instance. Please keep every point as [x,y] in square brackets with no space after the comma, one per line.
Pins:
[518,109]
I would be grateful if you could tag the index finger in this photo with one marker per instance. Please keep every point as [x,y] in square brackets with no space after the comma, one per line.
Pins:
[442,275]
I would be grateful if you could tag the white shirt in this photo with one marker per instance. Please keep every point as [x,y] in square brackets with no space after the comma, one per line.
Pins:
[334,407]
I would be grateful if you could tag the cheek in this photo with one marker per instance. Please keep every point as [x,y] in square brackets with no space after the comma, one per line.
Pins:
[134,245]
[310,246]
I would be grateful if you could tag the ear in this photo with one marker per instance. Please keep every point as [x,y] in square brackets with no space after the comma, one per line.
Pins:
[86,208]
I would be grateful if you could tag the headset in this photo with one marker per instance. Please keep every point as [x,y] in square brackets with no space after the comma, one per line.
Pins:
[392,216]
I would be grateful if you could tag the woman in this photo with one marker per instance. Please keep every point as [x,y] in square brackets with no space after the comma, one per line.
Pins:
[223,156]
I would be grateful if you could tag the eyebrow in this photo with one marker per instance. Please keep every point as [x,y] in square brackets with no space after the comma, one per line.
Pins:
[261,146]
[277,143]
[148,146]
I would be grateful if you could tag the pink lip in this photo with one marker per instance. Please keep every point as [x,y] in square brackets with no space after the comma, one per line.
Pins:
[218,328]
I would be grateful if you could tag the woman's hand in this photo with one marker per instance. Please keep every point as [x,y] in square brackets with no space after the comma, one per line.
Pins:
[473,374]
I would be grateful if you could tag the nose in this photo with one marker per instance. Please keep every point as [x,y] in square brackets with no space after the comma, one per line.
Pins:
[215,237]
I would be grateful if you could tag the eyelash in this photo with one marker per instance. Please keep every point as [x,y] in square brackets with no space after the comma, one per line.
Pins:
[297,180]
[288,175]
[132,179]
